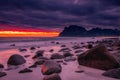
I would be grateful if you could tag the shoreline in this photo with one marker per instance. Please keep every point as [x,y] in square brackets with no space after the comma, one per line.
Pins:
[71,67]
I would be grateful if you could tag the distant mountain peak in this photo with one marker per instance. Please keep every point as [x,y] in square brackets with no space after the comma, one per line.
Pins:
[79,31]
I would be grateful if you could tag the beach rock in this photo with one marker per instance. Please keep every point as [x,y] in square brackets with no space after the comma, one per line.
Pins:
[56,56]
[71,58]
[12,45]
[67,54]
[98,57]
[52,77]
[2,74]
[57,43]
[79,71]
[64,50]
[33,66]
[1,66]
[16,59]
[40,60]
[32,48]
[26,70]
[78,51]
[53,42]
[38,54]
[63,45]
[50,67]
[82,43]
[76,47]
[51,50]
[22,50]
[114,73]
[89,46]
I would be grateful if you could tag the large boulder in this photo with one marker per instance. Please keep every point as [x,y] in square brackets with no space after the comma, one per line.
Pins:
[16,59]
[56,56]
[114,73]
[50,67]
[52,77]
[98,57]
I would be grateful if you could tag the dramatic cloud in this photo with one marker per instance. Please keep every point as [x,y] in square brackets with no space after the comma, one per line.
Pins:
[56,14]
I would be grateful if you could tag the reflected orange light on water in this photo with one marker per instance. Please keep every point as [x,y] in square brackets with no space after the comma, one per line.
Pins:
[27,34]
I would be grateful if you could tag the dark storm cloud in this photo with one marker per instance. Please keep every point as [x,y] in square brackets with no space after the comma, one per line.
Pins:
[59,13]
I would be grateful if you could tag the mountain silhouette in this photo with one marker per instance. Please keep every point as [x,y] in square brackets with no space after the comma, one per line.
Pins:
[79,31]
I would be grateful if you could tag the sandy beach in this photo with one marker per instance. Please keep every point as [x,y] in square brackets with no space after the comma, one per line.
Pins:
[68,69]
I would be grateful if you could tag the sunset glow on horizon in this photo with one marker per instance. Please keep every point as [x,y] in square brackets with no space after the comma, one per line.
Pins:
[27,34]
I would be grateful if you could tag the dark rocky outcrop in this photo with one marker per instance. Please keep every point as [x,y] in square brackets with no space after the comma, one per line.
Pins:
[114,73]
[98,57]
[79,31]
[50,67]
[52,77]
[16,59]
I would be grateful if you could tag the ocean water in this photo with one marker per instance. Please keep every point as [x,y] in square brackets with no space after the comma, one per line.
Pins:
[6,42]
[31,39]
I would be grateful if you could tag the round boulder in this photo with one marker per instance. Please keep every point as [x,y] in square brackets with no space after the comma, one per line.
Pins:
[98,57]
[50,67]
[16,59]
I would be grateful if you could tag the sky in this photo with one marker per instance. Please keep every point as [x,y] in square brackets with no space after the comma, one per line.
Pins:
[54,15]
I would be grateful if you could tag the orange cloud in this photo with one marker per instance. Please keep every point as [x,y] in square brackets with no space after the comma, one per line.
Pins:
[27,34]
